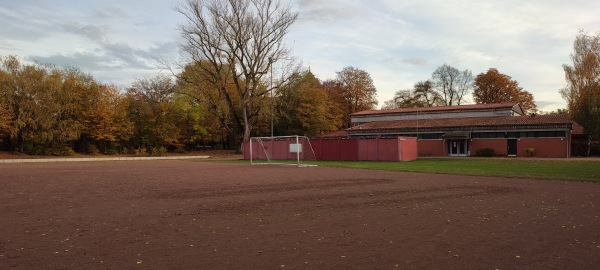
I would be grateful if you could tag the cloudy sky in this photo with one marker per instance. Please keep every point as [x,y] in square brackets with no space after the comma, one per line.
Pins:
[398,42]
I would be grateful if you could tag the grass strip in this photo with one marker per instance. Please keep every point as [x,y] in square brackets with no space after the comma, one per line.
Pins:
[568,170]
[588,171]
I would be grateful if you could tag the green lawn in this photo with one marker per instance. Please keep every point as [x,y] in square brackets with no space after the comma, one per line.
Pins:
[542,169]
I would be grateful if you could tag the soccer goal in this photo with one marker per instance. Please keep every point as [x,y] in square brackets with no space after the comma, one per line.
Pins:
[282,150]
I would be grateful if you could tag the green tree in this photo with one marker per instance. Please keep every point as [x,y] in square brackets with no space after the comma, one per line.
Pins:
[582,92]
[304,108]
[189,119]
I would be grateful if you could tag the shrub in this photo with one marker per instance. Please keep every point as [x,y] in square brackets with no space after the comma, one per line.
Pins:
[530,152]
[92,150]
[158,151]
[140,152]
[53,149]
[219,146]
[180,149]
[110,151]
[59,150]
[32,149]
[595,148]
[485,152]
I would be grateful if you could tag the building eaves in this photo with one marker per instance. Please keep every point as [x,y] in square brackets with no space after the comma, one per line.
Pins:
[440,109]
[458,123]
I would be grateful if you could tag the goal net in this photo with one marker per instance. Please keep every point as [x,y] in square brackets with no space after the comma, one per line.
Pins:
[284,150]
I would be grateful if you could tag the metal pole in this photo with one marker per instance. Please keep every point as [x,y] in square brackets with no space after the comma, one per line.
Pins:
[271,91]
[297,152]
[250,150]
[417,124]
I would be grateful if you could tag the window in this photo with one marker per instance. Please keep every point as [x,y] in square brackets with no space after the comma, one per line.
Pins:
[430,136]
[543,134]
[487,135]
[512,135]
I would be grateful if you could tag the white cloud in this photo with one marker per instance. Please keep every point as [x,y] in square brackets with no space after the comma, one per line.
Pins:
[93,32]
[526,40]
[397,42]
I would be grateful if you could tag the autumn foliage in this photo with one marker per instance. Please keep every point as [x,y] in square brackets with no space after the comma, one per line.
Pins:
[352,91]
[495,87]
[582,92]
[46,110]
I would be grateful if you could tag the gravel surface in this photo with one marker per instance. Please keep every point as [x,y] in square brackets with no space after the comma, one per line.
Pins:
[206,215]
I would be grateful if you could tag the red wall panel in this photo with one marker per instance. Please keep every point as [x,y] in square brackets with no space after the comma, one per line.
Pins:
[389,149]
[348,149]
[431,148]
[367,149]
[331,149]
[408,149]
[499,146]
[316,145]
[544,147]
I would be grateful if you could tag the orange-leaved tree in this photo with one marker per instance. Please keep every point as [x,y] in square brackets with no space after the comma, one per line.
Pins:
[582,92]
[495,87]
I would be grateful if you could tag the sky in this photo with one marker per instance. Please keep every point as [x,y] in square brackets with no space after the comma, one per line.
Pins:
[398,42]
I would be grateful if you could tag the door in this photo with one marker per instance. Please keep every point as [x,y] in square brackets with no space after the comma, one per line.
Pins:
[512,147]
[457,147]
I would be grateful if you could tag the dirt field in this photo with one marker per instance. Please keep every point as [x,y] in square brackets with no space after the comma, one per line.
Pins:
[201,215]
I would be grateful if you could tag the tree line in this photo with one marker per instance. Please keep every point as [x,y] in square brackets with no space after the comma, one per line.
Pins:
[58,111]
[47,110]
[449,86]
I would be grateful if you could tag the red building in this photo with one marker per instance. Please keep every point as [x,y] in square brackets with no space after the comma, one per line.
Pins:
[466,130]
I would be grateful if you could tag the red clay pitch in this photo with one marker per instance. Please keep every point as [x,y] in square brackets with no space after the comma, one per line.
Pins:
[200,215]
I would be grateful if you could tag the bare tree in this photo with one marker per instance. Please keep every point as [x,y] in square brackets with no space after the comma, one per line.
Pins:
[452,84]
[240,40]
[422,95]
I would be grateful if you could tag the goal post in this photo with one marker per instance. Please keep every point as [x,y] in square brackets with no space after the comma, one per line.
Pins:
[283,150]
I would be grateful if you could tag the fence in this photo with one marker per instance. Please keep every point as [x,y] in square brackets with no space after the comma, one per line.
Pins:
[353,149]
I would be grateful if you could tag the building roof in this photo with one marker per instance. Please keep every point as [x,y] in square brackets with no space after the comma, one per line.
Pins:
[438,109]
[339,133]
[462,123]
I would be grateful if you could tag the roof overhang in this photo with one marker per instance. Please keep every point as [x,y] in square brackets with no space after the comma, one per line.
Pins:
[457,135]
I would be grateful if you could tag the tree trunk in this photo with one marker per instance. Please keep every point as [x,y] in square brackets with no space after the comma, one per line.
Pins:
[20,142]
[247,128]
